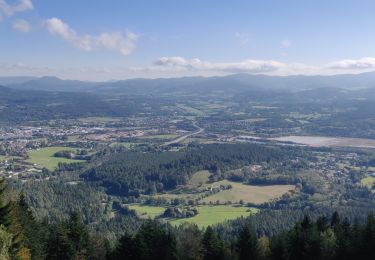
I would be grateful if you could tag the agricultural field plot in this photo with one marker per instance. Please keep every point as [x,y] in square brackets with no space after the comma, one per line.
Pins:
[191,110]
[247,193]
[208,215]
[99,120]
[368,181]
[199,178]
[211,215]
[44,157]
[147,211]
[163,136]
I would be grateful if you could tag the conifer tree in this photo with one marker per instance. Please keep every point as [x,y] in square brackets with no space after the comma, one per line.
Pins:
[248,244]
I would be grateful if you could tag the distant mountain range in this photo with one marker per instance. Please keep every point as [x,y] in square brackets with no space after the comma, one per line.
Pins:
[233,83]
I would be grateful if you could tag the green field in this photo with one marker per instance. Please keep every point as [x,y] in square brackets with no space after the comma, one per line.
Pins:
[211,215]
[247,193]
[368,181]
[44,157]
[239,192]
[198,178]
[164,136]
[208,215]
[147,211]
[191,110]
[99,119]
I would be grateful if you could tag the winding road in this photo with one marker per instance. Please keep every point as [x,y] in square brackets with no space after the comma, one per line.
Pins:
[182,138]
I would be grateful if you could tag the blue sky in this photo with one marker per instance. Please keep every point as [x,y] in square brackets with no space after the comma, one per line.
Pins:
[102,40]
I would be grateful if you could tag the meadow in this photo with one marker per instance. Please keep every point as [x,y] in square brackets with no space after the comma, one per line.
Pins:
[44,157]
[161,136]
[102,120]
[211,215]
[247,193]
[368,181]
[208,215]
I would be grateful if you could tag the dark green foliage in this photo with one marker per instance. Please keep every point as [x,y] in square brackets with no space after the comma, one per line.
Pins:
[152,241]
[68,240]
[5,207]
[135,173]
[248,244]
[213,246]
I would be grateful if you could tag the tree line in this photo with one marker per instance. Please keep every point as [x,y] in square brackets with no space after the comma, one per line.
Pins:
[23,237]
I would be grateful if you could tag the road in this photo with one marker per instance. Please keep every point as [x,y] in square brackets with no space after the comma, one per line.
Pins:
[182,138]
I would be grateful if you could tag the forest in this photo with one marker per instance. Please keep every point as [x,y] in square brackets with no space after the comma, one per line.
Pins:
[133,173]
[326,237]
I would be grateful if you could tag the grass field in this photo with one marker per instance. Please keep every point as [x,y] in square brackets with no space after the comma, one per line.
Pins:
[147,211]
[165,136]
[211,215]
[208,215]
[191,110]
[368,181]
[44,157]
[247,193]
[99,119]
[199,178]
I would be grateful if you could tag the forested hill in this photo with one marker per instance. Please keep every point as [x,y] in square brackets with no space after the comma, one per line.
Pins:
[134,173]
[22,237]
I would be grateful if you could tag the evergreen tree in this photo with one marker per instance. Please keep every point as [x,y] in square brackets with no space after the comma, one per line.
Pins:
[5,208]
[155,242]
[248,244]
[213,246]
[369,238]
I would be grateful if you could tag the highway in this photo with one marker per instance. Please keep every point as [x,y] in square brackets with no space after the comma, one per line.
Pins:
[182,138]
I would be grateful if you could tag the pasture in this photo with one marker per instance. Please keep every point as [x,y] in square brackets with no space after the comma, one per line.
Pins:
[199,178]
[368,181]
[144,211]
[247,193]
[211,215]
[208,215]
[44,157]
[99,120]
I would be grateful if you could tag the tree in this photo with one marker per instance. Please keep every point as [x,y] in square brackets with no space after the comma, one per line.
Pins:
[5,243]
[5,207]
[78,234]
[155,242]
[264,247]
[248,244]
[189,246]
[213,246]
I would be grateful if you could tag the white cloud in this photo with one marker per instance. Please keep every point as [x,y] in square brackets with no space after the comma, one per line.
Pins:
[360,64]
[179,67]
[286,43]
[116,41]
[7,10]
[246,66]
[21,26]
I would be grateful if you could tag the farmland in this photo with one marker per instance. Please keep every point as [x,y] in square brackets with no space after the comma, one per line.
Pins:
[368,181]
[247,193]
[44,157]
[208,215]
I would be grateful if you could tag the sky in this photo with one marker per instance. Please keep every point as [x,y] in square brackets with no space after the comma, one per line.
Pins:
[102,40]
